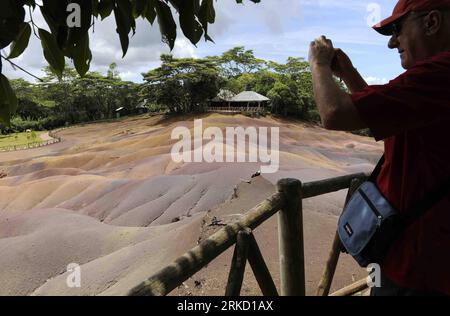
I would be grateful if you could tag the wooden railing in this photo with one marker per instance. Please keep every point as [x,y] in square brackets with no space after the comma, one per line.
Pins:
[287,203]
[235,109]
[31,145]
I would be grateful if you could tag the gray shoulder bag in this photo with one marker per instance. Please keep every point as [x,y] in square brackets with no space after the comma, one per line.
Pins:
[369,225]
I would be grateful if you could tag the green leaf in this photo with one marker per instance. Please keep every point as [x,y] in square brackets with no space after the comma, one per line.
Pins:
[30,3]
[166,23]
[76,34]
[82,55]
[105,7]
[139,8]
[95,4]
[196,6]
[9,28]
[86,14]
[189,24]
[207,12]
[8,101]
[62,36]
[206,15]
[125,23]
[21,42]
[52,52]
[122,30]
[123,34]
[208,38]
[12,9]
[54,13]
[150,14]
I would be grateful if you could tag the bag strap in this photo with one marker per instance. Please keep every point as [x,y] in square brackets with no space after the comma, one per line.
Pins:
[373,176]
[411,215]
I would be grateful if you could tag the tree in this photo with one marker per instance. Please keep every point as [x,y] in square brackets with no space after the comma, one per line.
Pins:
[72,99]
[297,72]
[183,85]
[288,85]
[238,61]
[285,99]
[94,96]
[244,82]
[112,72]
[65,40]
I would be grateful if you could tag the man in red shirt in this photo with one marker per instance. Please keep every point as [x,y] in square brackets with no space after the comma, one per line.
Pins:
[412,115]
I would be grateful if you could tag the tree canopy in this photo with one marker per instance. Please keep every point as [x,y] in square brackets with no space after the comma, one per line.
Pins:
[67,40]
[183,85]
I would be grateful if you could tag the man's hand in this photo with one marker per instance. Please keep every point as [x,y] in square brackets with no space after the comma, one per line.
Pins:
[335,105]
[321,52]
[341,65]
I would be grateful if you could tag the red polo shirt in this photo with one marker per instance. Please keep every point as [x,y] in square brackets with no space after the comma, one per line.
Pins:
[412,115]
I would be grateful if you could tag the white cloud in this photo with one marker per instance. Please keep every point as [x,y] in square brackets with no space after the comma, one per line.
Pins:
[143,53]
[274,29]
[375,80]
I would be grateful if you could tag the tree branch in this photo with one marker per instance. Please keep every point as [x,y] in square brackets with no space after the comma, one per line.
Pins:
[20,68]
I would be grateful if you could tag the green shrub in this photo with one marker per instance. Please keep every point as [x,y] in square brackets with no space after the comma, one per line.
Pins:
[313,116]
[19,125]
[155,107]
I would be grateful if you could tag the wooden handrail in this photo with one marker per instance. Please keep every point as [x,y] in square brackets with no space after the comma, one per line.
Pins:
[289,201]
[167,279]
[352,289]
[316,188]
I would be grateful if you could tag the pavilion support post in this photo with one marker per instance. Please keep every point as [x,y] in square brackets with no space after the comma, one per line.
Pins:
[290,238]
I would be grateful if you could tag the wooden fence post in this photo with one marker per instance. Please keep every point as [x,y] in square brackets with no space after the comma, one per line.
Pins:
[290,239]
[260,270]
[333,257]
[236,276]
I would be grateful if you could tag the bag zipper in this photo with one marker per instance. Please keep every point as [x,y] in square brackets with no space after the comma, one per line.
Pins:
[372,207]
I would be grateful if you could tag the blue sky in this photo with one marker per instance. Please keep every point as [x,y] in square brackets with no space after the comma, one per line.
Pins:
[273,29]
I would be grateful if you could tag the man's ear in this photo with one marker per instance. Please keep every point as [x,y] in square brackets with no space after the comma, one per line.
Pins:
[433,22]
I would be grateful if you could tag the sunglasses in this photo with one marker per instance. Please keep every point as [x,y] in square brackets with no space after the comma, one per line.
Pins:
[398,25]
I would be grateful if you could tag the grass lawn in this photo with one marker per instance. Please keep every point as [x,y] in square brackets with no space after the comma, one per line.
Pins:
[17,139]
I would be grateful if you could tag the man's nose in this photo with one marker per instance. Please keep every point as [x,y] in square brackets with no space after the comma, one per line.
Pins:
[393,42]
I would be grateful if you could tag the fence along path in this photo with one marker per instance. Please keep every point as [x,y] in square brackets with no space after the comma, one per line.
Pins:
[287,204]
[55,139]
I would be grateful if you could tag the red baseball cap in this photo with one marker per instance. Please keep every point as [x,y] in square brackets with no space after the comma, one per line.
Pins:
[403,7]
